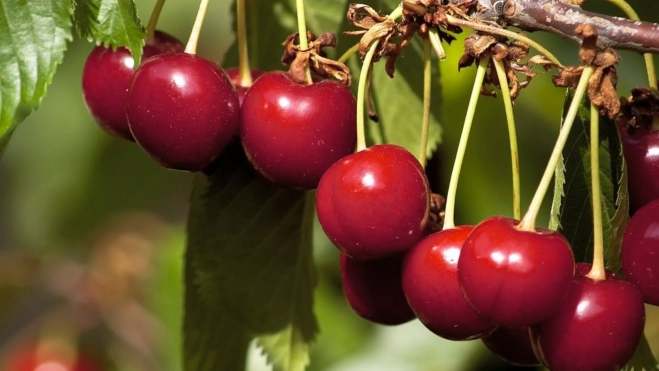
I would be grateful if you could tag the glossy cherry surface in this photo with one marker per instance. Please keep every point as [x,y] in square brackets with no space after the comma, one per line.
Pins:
[292,133]
[512,345]
[182,110]
[641,150]
[374,290]
[106,79]
[374,203]
[234,75]
[597,327]
[639,256]
[430,283]
[515,278]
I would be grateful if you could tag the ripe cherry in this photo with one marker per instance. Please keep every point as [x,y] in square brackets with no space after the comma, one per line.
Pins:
[639,256]
[292,133]
[430,283]
[374,203]
[234,75]
[513,345]
[182,110]
[513,277]
[597,327]
[374,290]
[106,79]
[640,147]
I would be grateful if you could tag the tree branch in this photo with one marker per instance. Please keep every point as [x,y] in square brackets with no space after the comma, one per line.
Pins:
[562,19]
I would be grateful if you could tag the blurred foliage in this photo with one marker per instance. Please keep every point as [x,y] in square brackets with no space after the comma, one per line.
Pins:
[91,221]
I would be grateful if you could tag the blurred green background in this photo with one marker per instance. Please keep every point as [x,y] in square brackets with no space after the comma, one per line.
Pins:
[92,231]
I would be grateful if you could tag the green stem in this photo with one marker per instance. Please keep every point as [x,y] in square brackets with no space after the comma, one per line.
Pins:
[153,20]
[649,61]
[349,53]
[597,272]
[509,34]
[449,215]
[244,72]
[437,44]
[427,88]
[302,34]
[191,47]
[512,134]
[528,222]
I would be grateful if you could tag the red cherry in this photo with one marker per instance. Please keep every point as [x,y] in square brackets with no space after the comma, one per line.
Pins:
[292,133]
[30,359]
[513,277]
[641,151]
[639,256]
[182,110]
[374,203]
[512,345]
[597,327]
[430,283]
[374,290]
[106,79]
[234,75]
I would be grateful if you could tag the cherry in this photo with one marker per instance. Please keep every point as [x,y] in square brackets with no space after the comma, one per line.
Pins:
[106,79]
[641,149]
[374,290]
[513,345]
[31,359]
[374,203]
[513,277]
[182,110]
[597,327]
[292,133]
[639,256]
[430,283]
[234,75]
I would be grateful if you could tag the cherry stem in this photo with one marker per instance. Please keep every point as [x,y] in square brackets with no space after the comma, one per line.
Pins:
[528,222]
[302,34]
[361,88]
[512,134]
[191,47]
[501,32]
[436,42]
[153,20]
[244,72]
[427,89]
[649,61]
[597,272]
[349,53]
[449,213]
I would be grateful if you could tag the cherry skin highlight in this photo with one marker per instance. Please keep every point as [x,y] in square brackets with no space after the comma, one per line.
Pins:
[106,78]
[292,133]
[374,203]
[513,345]
[640,148]
[430,283]
[512,277]
[639,256]
[374,290]
[182,110]
[234,75]
[597,327]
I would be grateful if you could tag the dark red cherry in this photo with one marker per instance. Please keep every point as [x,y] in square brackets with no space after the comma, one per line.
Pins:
[374,203]
[292,133]
[639,256]
[597,327]
[641,151]
[513,345]
[374,291]
[513,277]
[430,283]
[106,79]
[234,75]
[182,110]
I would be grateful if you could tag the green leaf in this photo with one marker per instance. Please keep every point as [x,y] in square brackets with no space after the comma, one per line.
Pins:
[112,23]
[643,359]
[249,269]
[33,37]
[572,208]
